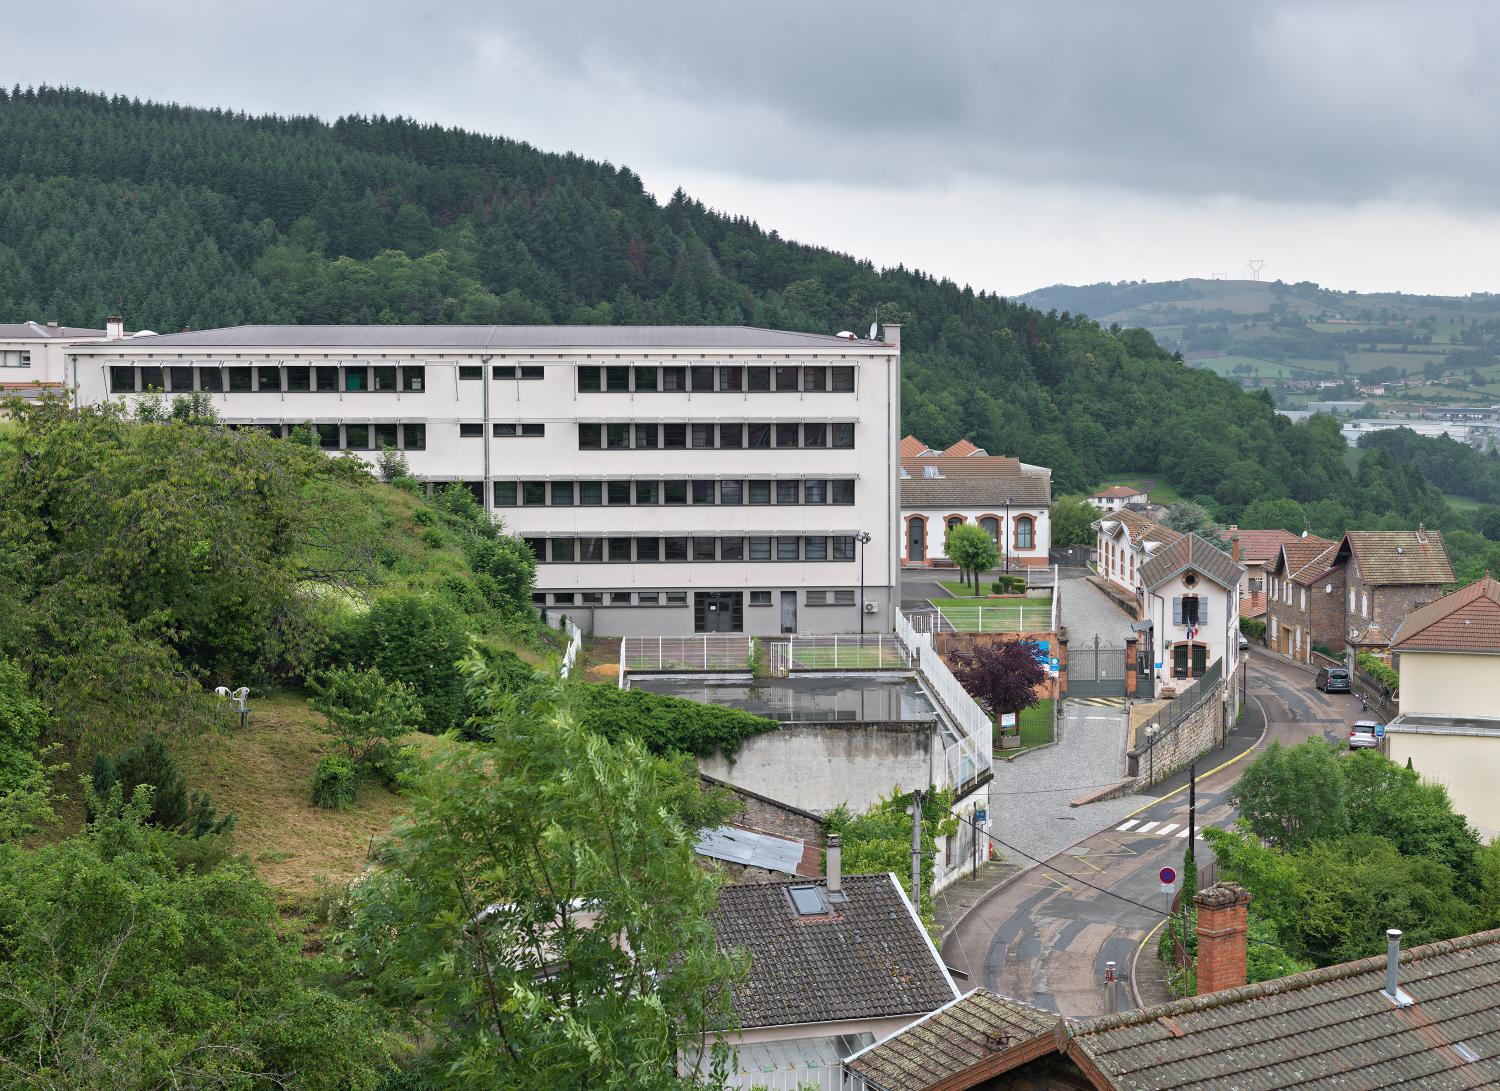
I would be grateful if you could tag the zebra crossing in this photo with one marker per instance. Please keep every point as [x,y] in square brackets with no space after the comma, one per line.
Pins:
[1159,828]
[1100,702]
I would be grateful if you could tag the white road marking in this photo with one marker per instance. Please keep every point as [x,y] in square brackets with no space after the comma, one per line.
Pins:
[1166,829]
[1182,832]
[1146,828]
[1126,825]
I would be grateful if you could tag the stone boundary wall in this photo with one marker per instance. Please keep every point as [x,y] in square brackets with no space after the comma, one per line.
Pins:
[1201,730]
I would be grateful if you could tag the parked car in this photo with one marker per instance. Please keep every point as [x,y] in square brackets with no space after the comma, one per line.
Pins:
[1244,643]
[1362,735]
[1333,680]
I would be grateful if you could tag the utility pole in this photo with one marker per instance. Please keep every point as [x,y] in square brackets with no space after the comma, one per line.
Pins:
[1192,810]
[916,850]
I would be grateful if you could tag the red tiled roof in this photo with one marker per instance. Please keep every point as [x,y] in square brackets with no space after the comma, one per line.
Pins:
[1118,491]
[1253,604]
[911,447]
[961,449]
[1466,620]
[1261,546]
[1306,558]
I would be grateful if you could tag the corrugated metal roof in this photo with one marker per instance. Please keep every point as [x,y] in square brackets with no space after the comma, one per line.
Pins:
[740,846]
[492,337]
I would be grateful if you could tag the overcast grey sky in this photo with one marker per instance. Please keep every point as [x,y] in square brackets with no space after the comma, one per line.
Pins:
[1006,145]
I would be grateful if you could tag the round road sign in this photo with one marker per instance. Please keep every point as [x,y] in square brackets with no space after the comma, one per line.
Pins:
[1168,875]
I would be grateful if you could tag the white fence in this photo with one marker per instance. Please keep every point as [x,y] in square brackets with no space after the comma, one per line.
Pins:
[972,754]
[838,652]
[575,639]
[714,652]
[1015,616]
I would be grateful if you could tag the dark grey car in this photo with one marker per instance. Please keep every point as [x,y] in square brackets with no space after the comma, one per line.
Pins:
[1333,680]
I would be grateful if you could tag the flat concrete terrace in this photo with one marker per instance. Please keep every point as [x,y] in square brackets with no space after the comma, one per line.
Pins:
[822,699]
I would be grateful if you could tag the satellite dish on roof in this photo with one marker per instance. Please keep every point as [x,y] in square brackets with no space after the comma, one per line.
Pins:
[872,331]
[847,335]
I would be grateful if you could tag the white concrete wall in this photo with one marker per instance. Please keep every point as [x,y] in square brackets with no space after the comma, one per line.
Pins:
[1219,634]
[48,358]
[1450,684]
[937,531]
[1467,765]
[556,403]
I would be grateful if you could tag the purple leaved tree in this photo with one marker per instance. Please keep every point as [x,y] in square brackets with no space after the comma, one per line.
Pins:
[1003,676]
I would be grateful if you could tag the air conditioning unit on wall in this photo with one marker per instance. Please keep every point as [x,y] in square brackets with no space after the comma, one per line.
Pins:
[872,607]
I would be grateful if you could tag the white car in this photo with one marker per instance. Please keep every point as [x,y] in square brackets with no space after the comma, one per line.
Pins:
[1362,735]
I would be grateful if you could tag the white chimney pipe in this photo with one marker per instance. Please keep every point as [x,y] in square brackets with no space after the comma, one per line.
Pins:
[835,864]
[114,328]
[1392,963]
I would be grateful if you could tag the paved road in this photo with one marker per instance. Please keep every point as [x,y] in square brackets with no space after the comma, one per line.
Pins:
[1045,937]
[1089,612]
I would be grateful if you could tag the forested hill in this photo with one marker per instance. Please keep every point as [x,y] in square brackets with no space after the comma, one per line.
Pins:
[182,216]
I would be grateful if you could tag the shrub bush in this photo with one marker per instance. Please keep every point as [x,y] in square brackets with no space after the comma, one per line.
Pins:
[1008,584]
[666,724]
[1254,628]
[1389,679]
[417,639]
[335,783]
[150,764]
[394,766]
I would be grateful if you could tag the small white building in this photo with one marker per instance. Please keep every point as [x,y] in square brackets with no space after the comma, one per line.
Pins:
[1009,499]
[33,355]
[1192,601]
[1119,496]
[1124,542]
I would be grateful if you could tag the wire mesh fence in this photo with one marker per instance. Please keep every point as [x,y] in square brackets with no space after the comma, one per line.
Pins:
[836,652]
[1032,615]
[715,652]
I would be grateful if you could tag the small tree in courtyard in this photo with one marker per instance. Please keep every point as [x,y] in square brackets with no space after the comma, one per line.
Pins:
[1003,676]
[366,713]
[971,548]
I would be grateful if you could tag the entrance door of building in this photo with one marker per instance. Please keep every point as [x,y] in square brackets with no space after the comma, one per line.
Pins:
[789,611]
[1180,654]
[916,540]
[718,612]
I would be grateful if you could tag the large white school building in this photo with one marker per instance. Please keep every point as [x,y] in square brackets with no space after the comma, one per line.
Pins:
[670,479]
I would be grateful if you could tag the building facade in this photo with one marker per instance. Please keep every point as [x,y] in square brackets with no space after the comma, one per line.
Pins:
[33,355]
[670,480]
[1304,598]
[1192,601]
[1119,496]
[1124,542]
[1008,499]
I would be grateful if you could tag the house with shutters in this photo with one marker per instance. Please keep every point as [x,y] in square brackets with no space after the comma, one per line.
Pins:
[1124,541]
[1009,499]
[1304,598]
[1256,550]
[1192,601]
[1119,496]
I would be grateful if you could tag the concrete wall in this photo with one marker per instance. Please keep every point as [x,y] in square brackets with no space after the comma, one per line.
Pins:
[1449,683]
[817,766]
[1467,765]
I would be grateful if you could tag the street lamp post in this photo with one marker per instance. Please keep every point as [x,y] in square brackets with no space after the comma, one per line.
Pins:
[863,538]
[1005,535]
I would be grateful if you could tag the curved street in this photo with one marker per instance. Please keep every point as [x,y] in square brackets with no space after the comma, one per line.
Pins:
[1044,936]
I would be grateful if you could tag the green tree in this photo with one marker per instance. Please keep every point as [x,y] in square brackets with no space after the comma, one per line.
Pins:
[970,547]
[416,639]
[1072,521]
[1289,798]
[121,969]
[542,913]
[365,713]
[1186,516]
[1003,676]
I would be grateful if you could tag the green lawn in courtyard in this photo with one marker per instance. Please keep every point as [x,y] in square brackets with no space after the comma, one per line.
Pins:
[1007,615]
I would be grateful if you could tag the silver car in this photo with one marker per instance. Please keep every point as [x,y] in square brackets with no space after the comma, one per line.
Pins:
[1362,735]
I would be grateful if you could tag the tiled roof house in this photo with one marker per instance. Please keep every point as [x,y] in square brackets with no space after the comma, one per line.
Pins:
[1008,498]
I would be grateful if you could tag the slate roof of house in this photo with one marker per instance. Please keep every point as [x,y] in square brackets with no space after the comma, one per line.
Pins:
[911,447]
[1465,620]
[1195,552]
[949,1041]
[1399,556]
[37,331]
[1141,528]
[494,337]
[1119,491]
[1331,1029]
[869,959]
[1307,558]
[1261,546]
[973,481]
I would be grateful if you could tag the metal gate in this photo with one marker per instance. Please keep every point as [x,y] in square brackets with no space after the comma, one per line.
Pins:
[1096,669]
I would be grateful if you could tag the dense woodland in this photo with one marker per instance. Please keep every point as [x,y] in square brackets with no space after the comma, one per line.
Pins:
[188,217]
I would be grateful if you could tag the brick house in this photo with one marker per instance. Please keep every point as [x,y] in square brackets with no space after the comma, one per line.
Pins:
[1300,610]
[1387,575]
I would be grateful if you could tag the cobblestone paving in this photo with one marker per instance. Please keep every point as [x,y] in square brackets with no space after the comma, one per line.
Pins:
[1087,611]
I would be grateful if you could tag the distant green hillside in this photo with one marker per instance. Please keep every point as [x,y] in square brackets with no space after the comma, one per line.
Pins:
[1431,349]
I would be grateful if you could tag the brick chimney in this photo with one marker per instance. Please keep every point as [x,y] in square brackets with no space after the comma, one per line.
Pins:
[1221,936]
[1422,533]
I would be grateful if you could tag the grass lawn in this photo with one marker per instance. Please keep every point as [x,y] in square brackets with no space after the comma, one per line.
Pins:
[1161,492]
[1008,615]
[263,776]
[1036,724]
[851,657]
[1462,503]
[960,590]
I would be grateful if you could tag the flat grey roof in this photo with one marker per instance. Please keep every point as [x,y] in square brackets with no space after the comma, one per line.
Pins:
[489,337]
[1416,724]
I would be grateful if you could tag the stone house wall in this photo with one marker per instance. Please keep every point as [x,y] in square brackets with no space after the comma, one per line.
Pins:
[1199,732]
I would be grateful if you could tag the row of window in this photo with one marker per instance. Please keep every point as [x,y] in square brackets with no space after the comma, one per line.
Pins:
[268,378]
[682,548]
[759,435]
[354,437]
[674,598]
[733,378]
[15,358]
[566,494]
